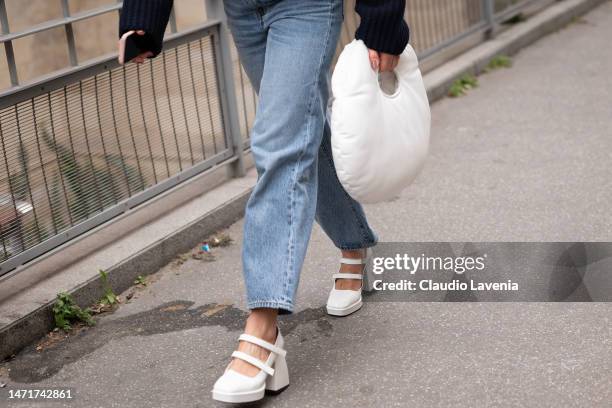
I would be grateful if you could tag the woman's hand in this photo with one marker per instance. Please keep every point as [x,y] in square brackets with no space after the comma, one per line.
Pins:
[382,62]
[142,57]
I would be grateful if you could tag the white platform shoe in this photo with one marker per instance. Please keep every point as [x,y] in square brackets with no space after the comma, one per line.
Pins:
[274,376]
[344,302]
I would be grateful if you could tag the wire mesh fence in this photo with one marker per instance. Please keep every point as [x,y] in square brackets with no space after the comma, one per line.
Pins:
[73,152]
[246,98]
[431,21]
[501,5]
[80,146]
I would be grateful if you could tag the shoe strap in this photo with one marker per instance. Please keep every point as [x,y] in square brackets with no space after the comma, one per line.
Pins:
[263,344]
[353,261]
[254,361]
[347,276]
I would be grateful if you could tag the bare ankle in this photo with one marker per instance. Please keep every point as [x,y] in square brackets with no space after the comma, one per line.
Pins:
[353,253]
[262,323]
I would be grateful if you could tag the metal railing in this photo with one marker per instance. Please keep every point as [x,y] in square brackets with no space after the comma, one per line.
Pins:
[85,144]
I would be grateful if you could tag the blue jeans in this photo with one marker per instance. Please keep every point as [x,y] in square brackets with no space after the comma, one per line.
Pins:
[286,48]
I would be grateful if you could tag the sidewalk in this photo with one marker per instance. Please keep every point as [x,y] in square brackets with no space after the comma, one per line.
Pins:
[524,157]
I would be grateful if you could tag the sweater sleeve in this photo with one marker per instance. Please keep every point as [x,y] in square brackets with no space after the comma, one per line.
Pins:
[382,26]
[151,16]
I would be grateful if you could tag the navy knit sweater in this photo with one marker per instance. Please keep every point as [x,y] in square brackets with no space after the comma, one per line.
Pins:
[382,25]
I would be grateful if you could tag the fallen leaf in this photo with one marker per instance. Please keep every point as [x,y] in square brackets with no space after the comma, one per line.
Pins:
[214,310]
[174,308]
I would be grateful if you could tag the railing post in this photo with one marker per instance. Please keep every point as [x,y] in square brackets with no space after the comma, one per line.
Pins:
[215,11]
[488,10]
[8,46]
[72,53]
[173,27]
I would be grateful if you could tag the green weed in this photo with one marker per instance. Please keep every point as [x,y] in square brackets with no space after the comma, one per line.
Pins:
[462,85]
[109,297]
[141,280]
[499,61]
[66,311]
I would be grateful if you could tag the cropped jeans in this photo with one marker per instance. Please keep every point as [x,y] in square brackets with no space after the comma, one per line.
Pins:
[286,48]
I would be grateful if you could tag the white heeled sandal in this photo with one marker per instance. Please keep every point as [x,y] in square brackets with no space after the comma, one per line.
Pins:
[274,375]
[344,302]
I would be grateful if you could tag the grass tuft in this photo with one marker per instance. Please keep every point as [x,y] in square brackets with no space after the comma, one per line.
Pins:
[462,85]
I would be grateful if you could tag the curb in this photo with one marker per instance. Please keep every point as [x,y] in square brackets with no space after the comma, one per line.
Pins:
[33,326]
[36,324]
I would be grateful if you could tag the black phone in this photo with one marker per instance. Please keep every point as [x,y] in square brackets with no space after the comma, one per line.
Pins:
[131,45]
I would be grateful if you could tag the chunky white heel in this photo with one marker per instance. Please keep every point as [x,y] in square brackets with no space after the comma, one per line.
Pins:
[344,302]
[280,380]
[274,375]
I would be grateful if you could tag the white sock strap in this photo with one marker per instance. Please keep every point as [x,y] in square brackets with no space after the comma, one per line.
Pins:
[254,361]
[352,261]
[263,344]
[347,276]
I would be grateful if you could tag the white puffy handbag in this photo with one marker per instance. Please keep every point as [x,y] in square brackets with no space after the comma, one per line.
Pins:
[380,139]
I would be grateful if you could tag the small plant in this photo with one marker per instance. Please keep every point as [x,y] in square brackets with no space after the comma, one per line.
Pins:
[578,20]
[109,297]
[19,183]
[5,253]
[499,61]
[76,181]
[66,311]
[71,175]
[141,280]
[462,85]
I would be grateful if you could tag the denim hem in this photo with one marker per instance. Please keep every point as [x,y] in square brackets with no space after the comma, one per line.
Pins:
[283,307]
[362,245]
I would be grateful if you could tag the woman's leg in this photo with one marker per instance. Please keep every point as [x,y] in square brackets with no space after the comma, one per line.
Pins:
[285,48]
[250,37]
[340,216]
[285,142]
